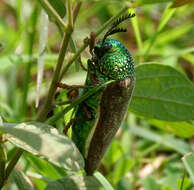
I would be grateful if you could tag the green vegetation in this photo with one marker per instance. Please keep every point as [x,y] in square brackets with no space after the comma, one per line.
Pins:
[43,42]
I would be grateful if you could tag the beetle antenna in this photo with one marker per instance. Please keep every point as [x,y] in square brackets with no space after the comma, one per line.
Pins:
[113,28]
[113,31]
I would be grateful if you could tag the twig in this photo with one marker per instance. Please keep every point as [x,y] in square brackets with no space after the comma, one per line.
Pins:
[13,162]
[53,87]
[76,10]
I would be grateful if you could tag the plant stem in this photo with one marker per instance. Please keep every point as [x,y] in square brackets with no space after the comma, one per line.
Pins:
[76,10]
[137,159]
[53,13]
[183,179]
[60,114]
[53,87]
[135,172]
[3,160]
[12,163]
[31,35]
[77,54]
[165,18]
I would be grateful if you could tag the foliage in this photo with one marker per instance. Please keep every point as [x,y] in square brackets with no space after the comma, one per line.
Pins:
[46,39]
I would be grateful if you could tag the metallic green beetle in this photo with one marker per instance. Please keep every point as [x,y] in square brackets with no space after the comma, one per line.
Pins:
[99,117]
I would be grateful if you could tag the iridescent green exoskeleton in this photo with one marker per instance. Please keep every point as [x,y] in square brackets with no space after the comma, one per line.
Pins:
[99,117]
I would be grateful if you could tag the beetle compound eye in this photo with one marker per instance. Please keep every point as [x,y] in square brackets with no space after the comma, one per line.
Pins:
[100,51]
[106,47]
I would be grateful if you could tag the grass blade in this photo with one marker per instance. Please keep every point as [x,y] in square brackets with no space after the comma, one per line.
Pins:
[103,181]
[188,161]
[42,46]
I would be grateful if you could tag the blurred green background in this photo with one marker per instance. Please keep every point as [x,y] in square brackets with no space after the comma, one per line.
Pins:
[146,153]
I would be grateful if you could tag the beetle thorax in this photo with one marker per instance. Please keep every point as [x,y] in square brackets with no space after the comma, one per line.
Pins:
[114,60]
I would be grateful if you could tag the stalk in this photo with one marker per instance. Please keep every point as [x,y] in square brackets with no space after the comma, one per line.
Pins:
[53,87]
[31,34]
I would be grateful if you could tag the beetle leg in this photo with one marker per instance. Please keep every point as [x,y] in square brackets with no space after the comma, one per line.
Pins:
[87,113]
[73,90]
[92,42]
[73,94]
[92,72]
[71,122]
[70,87]
[64,103]
[81,64]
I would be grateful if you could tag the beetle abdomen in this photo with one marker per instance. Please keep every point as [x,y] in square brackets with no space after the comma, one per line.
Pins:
[113,106]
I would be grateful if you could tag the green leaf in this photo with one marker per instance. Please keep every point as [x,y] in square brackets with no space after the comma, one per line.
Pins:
[1,121]
[162,93]
[103,181]
[121,168]
[74,182]
[58,5]
[188,161]
[173,172]
[149,183]
[168,13]
[181,129]
[165,18]
[7,62]
[47,170]
[136,29]
[184,183]
[45,141]
[39,177]
[166,140]
[21,180]
[173,34]
[142,2]
[124,183]
[178,3]
[113,153]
